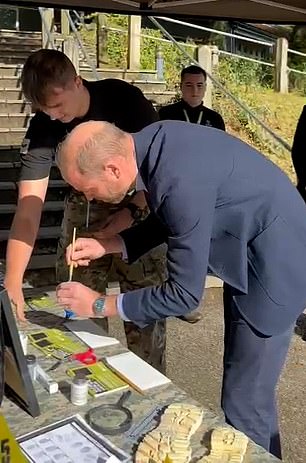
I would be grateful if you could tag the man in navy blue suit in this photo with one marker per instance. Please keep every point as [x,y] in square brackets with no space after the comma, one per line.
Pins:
[218,204]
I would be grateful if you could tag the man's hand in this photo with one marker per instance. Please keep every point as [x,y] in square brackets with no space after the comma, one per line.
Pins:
[77,297]
[87,249]
[15,294]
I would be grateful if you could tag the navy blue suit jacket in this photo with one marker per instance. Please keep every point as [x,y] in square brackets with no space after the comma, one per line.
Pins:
[217,202]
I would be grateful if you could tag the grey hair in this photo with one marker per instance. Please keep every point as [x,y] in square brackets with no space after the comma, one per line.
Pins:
[105,142]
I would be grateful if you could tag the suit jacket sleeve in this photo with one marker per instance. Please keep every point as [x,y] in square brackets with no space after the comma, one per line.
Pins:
[142,237]
[299,149]
[189,224]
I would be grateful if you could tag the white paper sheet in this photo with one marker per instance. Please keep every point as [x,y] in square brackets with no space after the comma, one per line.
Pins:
[136,371]
[90,333]
[66,444]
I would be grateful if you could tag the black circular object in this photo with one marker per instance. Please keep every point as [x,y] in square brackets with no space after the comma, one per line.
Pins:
[31,359]
[111,419]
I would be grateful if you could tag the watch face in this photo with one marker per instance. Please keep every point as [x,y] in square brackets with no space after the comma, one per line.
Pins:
[99,305]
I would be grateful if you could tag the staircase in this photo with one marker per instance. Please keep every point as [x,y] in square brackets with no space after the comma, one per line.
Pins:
[15,115]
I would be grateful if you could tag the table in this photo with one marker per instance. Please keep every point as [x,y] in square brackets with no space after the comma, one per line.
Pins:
[58,406]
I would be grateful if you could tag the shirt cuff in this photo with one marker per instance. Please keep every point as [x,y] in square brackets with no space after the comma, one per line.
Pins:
[120,308]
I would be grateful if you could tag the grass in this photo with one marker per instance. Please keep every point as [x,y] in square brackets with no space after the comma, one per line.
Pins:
[280,112]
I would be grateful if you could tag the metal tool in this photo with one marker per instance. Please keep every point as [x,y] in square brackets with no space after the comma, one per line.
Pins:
[87,358]
[146,424]
[111,419]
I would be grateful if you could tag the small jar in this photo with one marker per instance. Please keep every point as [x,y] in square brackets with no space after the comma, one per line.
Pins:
[31,363]
[79,391]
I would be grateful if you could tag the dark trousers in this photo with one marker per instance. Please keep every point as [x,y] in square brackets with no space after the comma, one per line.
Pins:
[251,368]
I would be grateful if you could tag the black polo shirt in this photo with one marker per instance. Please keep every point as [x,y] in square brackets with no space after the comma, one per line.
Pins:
[111,100]
[181,111]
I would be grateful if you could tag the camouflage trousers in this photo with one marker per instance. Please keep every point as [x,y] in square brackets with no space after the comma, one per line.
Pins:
[148,343]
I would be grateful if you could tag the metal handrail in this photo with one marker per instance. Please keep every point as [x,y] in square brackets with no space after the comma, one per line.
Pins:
[50,36]
[208,29]
[246,58]
[222,88]
[86,55]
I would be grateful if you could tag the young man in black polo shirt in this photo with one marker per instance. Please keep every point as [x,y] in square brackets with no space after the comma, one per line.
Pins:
[64,100]
[190,108]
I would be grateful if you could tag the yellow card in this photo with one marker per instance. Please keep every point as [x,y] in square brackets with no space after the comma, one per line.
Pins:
[9,449]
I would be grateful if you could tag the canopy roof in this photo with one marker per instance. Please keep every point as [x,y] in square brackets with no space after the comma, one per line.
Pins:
[266,11]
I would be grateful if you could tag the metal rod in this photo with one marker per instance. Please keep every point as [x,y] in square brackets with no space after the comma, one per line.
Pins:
[265,63]
[86,56]
[227,34]
[50,38]
[87,215]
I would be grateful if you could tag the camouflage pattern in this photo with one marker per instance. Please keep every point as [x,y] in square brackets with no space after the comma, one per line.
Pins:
[58,406]
[150,270]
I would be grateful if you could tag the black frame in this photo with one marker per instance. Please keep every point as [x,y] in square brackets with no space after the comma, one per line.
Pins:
[11,345]
[98,440]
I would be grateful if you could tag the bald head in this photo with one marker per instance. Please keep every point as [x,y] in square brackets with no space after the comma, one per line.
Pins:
[98,151]
[89,145]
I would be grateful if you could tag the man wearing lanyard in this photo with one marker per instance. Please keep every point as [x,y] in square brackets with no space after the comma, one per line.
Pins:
[190,108]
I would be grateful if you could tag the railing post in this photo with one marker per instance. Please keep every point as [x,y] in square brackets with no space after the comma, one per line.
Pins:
[101,39]
[205,61]
[134,42]
[281,69]
[65,26]
[71,49]
[47,25]
[159,63]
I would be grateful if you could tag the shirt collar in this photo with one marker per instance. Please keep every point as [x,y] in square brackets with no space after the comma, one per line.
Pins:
[140,186]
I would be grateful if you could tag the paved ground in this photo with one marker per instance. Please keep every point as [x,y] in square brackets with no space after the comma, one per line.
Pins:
[194,356]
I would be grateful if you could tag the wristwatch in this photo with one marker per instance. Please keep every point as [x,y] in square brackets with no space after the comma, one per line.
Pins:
[136,212]
[99,306]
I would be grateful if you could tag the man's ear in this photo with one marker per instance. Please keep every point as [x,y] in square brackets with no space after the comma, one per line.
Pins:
[78,81]
[113,171]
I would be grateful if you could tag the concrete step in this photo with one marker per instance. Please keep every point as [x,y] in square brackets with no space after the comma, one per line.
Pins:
[9,172]
[19,34]
[105,73]
[40,262]
[14,56]
[9,153]
[49,206]
[16,43]
[15,93]
[56,191]
[159,98]
[44,233]
[14,120]
[11,136]
[15,106]
[7,81]
[10,70]
[144,85]
[10,93]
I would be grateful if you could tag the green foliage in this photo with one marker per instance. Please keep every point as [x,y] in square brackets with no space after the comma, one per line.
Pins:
[278,111]
[174,59]
[244,72]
